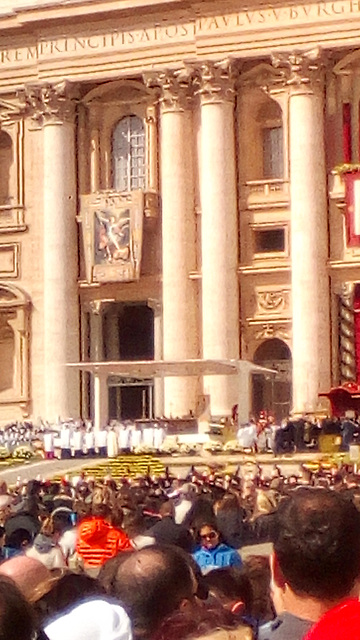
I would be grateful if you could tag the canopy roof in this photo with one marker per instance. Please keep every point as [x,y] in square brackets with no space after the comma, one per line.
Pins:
[343,398]
[170,368]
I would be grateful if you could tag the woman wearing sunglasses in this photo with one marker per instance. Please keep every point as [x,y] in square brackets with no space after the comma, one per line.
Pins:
[213,553]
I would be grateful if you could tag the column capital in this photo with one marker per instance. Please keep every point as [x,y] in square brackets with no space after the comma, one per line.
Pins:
[174,88]
[303,71]
[155,305]
[49,103]
[97,307]
[216,82]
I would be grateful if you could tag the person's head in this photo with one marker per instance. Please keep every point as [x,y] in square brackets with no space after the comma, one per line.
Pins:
[167,509]
[93,619]
[317,544]
[16,617]
[209,535]
[27,573]
[257,569]
[61,521]
[64,591]
[102,502]
[151,584]
[230,502]
[232,587]
[18,539]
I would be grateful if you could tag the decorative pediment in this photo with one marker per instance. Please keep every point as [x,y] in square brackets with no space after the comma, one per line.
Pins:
[262,75]
[348,65]
[10,112]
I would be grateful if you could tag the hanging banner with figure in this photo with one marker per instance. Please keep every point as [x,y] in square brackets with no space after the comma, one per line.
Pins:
[112,226]
[352,211]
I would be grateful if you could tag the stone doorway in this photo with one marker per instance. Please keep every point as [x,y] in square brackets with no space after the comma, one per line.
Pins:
[273,393]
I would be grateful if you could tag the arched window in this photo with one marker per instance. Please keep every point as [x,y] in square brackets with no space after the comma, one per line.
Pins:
[128,154]
[6,159]
[14,344]
[270,119]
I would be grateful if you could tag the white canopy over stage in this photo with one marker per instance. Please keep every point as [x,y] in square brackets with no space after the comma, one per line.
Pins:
[147,369]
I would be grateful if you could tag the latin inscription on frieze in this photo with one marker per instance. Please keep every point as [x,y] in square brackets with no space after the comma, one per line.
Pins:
[235,23]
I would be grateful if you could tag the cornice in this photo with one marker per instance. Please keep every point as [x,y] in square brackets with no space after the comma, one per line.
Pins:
[51,10]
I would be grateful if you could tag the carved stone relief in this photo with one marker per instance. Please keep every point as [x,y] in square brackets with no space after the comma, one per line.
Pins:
[270,330]
[272,301]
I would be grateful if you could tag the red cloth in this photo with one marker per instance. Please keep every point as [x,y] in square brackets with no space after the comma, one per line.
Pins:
[340,623]
[98,541]
[357,332]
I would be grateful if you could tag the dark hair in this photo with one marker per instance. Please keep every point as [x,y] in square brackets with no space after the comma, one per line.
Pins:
[233,583]
[257,569]
[211,523]
[18,539]
[61,521]
[16,618]
[317,543]
[108,571]
[69,590]
[151,584]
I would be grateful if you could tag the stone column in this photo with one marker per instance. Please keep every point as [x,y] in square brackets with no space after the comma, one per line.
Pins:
[309,235]
[101,401]
[178,239]
[219,231]
[96,331]
[158,401]
[112,338]
[100,388]
[54,112]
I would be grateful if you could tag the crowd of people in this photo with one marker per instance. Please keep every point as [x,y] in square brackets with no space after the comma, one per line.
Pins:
[78,438]
[297,434]
[151,558]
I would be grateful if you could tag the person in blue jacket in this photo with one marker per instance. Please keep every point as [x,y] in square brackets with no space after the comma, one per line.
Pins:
[213,553]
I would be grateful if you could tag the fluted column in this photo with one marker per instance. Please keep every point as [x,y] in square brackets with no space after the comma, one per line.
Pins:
[54,111]
[219,231]
[178,239]
[309,235]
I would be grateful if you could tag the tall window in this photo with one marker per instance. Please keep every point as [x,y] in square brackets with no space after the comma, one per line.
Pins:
[273,153]
[128,154]
[6,159]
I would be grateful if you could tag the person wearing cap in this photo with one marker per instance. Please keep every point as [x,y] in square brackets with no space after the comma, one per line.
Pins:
[316,558]
[94,619]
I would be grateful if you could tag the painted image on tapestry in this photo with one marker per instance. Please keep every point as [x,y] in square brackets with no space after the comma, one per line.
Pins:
[112,236]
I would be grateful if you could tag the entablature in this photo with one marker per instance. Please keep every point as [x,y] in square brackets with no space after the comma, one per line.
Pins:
[95,47]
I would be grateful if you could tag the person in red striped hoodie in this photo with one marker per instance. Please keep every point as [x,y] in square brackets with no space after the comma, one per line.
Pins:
[100,536]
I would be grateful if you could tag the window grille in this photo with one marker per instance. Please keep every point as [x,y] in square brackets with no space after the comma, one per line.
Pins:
[128,154]
[273,153]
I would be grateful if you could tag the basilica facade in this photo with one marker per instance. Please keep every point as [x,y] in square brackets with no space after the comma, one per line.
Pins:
[179,181]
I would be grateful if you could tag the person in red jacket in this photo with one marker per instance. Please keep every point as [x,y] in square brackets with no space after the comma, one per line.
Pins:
[99,537]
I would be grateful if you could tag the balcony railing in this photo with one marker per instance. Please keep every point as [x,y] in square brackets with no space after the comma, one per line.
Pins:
[262,194]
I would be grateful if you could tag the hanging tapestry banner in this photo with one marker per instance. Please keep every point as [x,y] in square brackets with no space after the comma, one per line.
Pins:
[112,227]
